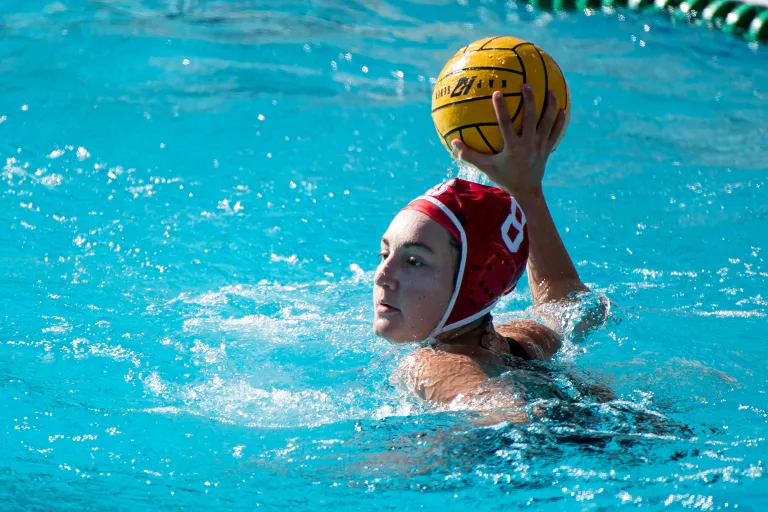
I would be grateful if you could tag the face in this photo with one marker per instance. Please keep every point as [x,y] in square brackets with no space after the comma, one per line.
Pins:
[414,282]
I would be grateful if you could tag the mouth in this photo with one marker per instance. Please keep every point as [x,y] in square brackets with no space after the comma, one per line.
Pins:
[383,308]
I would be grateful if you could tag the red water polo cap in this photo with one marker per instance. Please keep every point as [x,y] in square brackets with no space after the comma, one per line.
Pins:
[490,227]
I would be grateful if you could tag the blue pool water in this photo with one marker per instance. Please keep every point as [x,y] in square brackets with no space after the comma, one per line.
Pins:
[193,194]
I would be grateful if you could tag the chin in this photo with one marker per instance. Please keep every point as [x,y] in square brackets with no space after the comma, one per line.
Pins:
[384,328]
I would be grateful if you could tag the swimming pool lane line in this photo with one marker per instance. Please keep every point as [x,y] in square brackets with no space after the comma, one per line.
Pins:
[743,19]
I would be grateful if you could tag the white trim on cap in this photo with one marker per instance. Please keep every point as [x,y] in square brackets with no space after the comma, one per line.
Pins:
[513,246]
[440,328]
[469,319]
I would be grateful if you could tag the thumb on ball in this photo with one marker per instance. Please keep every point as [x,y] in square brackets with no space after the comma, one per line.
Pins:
[469,155]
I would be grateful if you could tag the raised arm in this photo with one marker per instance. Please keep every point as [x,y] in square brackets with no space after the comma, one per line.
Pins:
[551,274]
[519,169]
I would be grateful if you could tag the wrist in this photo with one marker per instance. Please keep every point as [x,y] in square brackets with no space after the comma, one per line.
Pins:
[530,196]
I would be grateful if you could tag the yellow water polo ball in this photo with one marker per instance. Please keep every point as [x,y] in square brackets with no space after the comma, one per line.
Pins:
[461,101]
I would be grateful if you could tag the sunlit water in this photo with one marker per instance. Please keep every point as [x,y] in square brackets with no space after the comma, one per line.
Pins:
[192,197]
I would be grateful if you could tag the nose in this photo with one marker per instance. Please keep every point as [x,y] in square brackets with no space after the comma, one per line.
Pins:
[384,275]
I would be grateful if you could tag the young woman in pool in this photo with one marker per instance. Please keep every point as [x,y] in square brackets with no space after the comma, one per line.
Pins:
[450,254]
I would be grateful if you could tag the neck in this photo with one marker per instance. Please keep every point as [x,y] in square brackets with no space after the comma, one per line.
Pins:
[470,334]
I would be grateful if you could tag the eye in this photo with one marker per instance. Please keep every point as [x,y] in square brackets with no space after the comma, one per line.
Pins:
[412,261]
[383,255]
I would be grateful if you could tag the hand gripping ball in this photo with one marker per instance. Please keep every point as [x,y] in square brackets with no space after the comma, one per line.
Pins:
[461,102]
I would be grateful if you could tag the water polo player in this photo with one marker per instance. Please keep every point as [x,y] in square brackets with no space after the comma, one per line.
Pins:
[450,254]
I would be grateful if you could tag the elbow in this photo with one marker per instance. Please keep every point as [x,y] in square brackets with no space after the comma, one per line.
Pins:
[594,317]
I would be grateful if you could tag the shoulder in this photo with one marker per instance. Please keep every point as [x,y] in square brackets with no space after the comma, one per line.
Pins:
[442,376]
[539,341]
